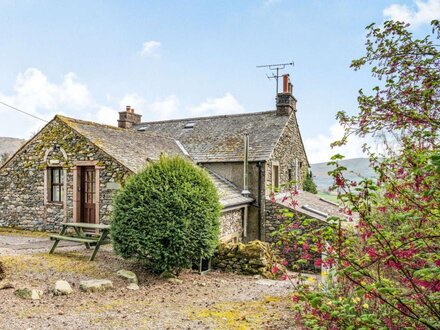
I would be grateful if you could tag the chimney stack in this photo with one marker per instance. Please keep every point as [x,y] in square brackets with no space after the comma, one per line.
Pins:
[128,118]
[286,102]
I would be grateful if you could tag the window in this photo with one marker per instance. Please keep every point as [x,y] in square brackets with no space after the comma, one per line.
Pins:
[56,184]
[290,175]
[189,125]
[276,177]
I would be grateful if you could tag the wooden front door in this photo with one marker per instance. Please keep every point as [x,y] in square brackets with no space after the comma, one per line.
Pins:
[88,195]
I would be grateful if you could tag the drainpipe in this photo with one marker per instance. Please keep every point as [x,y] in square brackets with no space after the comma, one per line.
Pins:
[259,165]
[245,191]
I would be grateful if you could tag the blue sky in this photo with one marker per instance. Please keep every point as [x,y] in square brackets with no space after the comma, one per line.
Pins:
[173,59]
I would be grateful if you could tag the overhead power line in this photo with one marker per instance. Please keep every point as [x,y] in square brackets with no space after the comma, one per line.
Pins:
[24,112]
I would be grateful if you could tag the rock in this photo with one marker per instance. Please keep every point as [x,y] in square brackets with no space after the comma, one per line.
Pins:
[128,275]
[95,285]
[26,293]
[23,293]
[175,281]
[62,288]
[36,294]
[133,286]
[167,274]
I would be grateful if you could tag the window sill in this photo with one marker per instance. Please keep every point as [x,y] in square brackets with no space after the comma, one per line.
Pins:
[60,204]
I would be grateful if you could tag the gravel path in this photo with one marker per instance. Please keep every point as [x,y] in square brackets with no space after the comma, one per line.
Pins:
[212,301]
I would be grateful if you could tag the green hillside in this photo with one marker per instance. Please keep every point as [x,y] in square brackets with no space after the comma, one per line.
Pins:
[357,168]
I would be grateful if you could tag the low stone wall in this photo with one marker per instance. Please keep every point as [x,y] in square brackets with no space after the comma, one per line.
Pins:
[253,258]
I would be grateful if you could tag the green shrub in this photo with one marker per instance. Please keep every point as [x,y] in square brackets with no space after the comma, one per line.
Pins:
[309,185]
[167,216]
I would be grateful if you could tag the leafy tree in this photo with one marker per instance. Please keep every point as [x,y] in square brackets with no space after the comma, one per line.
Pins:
[384,255]
[166,216]
[309,185]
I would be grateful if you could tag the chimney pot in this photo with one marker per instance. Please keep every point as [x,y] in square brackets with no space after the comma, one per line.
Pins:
[286,83]
[286,102]
[128,118]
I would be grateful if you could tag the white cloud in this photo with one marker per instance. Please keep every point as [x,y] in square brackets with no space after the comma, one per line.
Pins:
[150,47]
[35,94]
[170,107]
[423,13]
[227,104]
[160,109]
[318,148]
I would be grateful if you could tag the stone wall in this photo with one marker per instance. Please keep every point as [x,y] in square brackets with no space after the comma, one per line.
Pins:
[231,224]
[234,173]
[288,148]
[254,258]
[274,220]
[22,180]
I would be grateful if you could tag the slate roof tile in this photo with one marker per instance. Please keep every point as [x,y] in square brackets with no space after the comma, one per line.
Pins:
[220,138]
[131,148]
[134,149]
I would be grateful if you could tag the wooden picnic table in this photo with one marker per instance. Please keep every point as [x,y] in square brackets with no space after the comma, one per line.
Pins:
[96,237]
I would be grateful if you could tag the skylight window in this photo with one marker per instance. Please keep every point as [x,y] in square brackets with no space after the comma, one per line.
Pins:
[142,129]
[190,125]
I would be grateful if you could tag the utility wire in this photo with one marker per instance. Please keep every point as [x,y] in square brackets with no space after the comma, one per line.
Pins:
[26,113]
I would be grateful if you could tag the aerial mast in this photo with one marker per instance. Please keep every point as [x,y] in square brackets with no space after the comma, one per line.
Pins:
[277,68]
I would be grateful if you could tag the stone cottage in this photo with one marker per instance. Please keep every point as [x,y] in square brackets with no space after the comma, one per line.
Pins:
[70,170]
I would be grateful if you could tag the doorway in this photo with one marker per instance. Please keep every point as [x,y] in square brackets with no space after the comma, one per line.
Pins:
[87,194]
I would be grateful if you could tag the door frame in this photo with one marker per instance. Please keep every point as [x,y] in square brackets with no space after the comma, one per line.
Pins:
[77,183]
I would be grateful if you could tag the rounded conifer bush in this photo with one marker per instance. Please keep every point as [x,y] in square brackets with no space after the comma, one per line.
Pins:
[166,216]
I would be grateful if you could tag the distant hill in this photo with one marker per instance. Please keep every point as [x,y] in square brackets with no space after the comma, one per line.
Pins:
[357,165]
[10,145]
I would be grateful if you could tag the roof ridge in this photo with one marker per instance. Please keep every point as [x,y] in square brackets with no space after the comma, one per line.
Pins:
[87,122]
[206,117]
[66,119]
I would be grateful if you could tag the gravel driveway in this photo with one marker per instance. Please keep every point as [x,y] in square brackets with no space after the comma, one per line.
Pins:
[212,301]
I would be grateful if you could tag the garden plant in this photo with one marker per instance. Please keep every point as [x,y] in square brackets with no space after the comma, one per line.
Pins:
[381,261]
[167,216]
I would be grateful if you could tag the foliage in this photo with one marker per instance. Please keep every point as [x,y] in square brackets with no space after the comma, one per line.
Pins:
[167,215]
[309,185]
[383,256]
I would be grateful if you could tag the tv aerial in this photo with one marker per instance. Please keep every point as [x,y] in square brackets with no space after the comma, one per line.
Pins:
[277,68]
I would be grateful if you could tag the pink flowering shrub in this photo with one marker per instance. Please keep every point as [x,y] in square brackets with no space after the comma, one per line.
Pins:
[381,261]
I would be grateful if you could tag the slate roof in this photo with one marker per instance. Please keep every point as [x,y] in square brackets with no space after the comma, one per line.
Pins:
[312,205]
[134,149]
[230,195]
[130,148]
[220,138]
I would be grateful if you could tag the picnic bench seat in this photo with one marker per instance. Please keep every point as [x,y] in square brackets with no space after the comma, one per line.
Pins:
[72,239]
[88,238]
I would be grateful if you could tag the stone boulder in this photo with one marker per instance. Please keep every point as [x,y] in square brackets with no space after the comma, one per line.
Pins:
[128,275]
[26,293]
[95,285]
[62,288]
[133,286]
